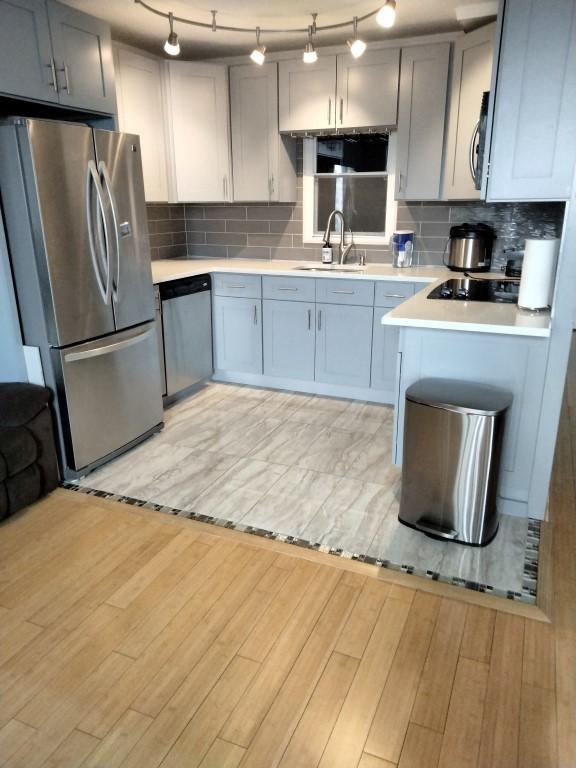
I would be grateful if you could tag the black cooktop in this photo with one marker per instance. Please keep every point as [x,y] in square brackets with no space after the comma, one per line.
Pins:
[470,289]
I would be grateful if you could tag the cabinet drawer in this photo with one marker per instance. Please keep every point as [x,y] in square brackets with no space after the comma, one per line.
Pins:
[336,291]
[288,288]
[391,293]
[249,286]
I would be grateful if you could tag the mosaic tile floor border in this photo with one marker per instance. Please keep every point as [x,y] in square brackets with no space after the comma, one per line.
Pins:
[530,565]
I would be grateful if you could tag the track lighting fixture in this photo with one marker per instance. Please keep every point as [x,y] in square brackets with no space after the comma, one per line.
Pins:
[172,46]
[386,16]
[357,46]
[309,56]
[258,54]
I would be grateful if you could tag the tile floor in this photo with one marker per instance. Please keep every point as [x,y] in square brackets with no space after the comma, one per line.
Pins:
[310,467]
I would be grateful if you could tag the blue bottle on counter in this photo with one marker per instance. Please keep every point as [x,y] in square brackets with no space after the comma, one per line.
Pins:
[402,247]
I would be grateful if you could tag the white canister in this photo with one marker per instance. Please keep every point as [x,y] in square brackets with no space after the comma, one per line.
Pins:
[538,273]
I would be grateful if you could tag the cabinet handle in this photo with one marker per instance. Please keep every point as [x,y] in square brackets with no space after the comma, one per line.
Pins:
[309,319]
[329,110]
[224,187]
[400,182]
[52,67]
[293,290]
[341,111]
[272,186]
[319,319]
[394,296]
[349,293]
[235,286]
[473,165]
[66,78]
[255,314]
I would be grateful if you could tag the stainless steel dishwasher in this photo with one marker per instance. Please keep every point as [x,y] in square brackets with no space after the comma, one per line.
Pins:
[187,331]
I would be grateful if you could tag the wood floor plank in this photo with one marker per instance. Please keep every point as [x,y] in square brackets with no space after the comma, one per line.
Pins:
[478,633]
[20,635]
[461,741]
[112,750]
[392,716]
[433,696]
[537,744]
[197,617]
[269,741]
[13,736]
[347,740]
[421,748]
[138,583]
[369,761]
[65,718]
[248,715]
[195,740]
[360,624]
[311,735]
[222,754]
[73,751]
[501,722]
[539,663]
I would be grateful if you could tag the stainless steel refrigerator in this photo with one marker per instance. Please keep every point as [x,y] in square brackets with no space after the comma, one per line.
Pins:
[74,210]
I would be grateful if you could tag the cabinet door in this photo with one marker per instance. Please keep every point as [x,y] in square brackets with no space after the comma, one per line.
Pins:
[384,355]
[141,111]
[421,116]
[471,74]
[263,162]
[83,54]
[533,145]
[367,92]
[343,344]
[199,111]
[307,94]
[26,50]
[289,339]
[237,339]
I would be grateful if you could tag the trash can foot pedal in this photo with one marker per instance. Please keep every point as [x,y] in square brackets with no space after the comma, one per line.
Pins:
[427,526]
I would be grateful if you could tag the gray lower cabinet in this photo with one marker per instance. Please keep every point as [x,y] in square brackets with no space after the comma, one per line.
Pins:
[289,339]
[533,144]
[26,51]
[384,354]
[343,344]
[237,334]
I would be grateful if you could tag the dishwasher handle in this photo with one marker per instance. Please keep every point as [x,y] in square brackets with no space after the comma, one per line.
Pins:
[185,286]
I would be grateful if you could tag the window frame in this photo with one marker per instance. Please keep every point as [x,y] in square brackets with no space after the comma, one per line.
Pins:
[309,195]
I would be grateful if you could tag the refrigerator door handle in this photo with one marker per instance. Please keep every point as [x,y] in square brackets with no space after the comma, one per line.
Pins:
[92,179]
[103,169]
[106,349]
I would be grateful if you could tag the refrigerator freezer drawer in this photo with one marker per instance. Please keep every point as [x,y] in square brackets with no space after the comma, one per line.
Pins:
[113,392]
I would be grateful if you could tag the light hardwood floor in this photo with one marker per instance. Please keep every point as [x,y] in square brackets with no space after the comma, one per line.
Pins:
[129,638]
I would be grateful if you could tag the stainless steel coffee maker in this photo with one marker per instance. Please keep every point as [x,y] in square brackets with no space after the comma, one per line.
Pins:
[470,248]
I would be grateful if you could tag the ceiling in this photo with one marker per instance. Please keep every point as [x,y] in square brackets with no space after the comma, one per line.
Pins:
[133,24]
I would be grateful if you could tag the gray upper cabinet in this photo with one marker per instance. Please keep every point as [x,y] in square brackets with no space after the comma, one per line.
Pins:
[307,94]
[51,52]
[343,344]
[26,65]
[237,334]
[367,89]
[289,339]
[421,117]
[264,163]
[83,55]
[533,142]
[471,75]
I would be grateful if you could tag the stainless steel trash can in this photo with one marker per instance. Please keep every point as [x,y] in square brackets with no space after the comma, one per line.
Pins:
[452,443]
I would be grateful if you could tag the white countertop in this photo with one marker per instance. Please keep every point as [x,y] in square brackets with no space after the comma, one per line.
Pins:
[470,316]
[416,312]
[173,269]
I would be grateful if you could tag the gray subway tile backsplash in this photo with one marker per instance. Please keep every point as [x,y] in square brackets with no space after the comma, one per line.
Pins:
[274,231]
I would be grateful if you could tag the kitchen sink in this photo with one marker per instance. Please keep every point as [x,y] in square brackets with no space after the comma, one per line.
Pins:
[330,268]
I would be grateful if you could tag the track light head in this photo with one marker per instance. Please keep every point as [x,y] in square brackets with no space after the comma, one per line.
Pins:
[386,16]
[258,55]
[309,56]
[357,46]
[172,46]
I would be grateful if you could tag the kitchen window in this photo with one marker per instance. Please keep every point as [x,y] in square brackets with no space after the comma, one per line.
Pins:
[355,175]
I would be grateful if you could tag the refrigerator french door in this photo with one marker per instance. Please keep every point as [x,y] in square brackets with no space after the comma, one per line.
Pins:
[89,266]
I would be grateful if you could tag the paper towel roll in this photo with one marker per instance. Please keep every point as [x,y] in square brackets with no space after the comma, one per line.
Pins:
[538,272]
